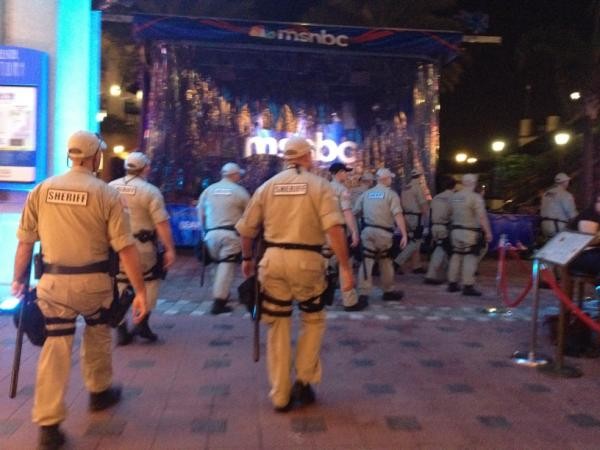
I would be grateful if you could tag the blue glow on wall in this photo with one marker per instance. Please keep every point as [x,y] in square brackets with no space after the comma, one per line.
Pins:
[76,81]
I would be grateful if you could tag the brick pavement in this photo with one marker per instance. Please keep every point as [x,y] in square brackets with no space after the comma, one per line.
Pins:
[430,372]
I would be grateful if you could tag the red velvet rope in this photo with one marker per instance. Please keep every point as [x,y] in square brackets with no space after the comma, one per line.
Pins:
[549,278]
[502,281]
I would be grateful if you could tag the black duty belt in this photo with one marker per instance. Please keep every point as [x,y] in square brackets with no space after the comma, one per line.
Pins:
[292,246]
[97,267]
[224,227]
[409,213]
[460,227]
[553,220]
[388,229]
[445,224]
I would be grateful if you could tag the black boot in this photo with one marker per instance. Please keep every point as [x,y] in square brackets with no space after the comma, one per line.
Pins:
[143,330]
[303,393]
[220,306]
[391,296]
[51,438]
[362,303]
[453,287]
[124,337]
[471,291]
[105,399]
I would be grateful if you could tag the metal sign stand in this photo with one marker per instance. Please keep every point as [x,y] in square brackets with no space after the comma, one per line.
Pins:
[560,250]
[530,358]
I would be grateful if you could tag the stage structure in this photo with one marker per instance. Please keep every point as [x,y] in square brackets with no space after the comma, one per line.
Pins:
[218,90]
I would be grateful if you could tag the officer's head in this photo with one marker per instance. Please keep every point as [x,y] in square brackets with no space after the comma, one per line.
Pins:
[367,179]
[339,171]
[298,151]
[562,179]
[447,183]
[384,176]
[137,163]
[469,181]
[85,149]
[232,171]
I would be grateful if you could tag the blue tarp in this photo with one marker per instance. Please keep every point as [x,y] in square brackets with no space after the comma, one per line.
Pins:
[420,44]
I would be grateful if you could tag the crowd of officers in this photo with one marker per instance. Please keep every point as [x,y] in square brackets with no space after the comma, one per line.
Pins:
[298,234]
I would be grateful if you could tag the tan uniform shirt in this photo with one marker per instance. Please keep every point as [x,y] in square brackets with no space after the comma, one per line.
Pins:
[77,217]
[413,200]
[378,206]
[558,203]
[222,203]
[146,208]
[467,206]
[294,206]
[343,195]
[441,214]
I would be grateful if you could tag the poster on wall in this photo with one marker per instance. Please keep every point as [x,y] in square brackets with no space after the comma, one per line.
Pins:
[17,133]
[23,117]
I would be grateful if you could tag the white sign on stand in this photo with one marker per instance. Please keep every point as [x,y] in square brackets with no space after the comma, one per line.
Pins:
[563,247]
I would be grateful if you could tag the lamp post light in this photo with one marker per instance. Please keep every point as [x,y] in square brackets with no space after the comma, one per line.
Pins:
[460,157]
[562,138]
[575,96]
[498,145]
[471,160]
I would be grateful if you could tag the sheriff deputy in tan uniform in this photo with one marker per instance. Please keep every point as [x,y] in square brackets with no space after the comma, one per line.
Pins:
[469,221]
[441,214]
[380,210]
[77,218]
[558,206]
[297,210]
[365,183]
[219,208]
[150,225]
[415,204]
[339,173]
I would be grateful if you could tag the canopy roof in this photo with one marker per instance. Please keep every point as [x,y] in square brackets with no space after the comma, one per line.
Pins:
[427,45]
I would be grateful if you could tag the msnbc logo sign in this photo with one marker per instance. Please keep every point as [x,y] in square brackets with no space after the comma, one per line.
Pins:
[287,34]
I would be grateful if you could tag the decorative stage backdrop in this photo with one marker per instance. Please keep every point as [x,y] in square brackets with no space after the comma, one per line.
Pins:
[218,91]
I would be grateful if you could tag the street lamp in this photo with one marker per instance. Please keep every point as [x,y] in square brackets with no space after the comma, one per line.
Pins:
[471,160]
[562,138]
[460,157]
[498,145]
[575,96]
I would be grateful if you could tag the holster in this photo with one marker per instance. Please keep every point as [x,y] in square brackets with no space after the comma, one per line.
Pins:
[426,245]
[395,250]
[329,292]
[38,265]
[115,314]
[247,292]
[158,271]
[34,325]
[418,232]
[113,263]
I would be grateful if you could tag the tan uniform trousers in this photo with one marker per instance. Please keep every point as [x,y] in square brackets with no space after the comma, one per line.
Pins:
[463,265]
[376,240]
[288,275]
[65,297]
[221,244]
[439,258]
[413,245]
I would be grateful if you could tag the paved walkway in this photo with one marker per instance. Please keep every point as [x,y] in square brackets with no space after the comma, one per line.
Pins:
[430,372]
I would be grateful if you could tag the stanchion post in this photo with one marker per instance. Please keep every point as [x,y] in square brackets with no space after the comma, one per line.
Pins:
[530,358]
[493,310]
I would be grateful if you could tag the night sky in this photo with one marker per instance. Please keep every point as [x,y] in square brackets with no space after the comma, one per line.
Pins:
[491,97]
